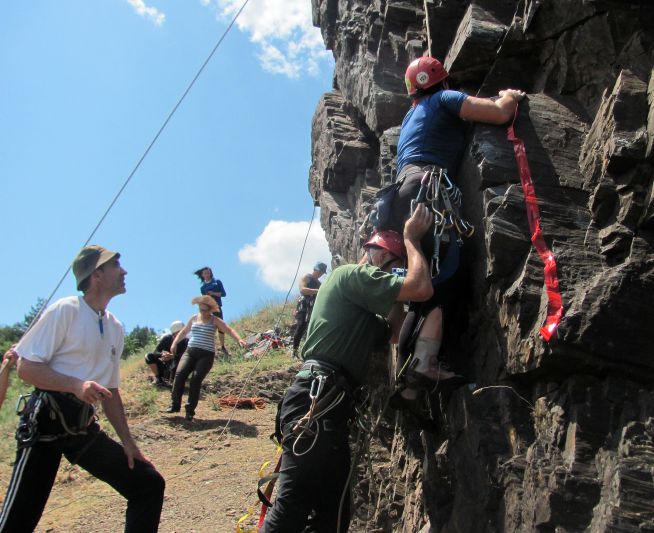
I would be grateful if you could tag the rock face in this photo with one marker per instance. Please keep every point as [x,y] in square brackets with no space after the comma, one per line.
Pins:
[555,436]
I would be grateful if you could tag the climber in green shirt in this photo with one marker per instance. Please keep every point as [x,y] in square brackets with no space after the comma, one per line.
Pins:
[346,324]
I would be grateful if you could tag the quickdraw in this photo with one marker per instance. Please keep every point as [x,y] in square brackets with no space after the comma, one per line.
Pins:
[444,198]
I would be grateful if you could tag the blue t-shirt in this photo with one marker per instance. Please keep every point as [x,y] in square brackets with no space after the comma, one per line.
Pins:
[215,285]
[432,131]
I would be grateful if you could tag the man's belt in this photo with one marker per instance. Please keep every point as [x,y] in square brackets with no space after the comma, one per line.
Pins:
[322,367]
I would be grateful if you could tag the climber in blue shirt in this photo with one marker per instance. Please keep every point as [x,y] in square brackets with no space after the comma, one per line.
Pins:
[433,134]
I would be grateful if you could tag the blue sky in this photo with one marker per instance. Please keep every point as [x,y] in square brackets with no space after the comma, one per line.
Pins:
[86,85]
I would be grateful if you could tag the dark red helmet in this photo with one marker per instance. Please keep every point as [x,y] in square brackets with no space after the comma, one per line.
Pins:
[388,240]
[423,73]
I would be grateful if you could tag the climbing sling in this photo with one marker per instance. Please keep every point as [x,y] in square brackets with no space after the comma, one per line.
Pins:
[554,301]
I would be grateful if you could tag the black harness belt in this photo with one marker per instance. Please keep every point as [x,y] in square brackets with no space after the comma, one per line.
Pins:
[328,388]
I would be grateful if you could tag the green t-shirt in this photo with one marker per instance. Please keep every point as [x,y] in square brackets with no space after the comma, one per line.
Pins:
[346,324]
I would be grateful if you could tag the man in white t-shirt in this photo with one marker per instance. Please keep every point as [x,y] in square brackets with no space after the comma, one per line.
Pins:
[71,356]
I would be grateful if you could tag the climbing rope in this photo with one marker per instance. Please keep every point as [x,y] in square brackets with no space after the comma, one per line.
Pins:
[229,400]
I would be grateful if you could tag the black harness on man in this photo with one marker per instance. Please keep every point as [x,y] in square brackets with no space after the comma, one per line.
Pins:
[46,416]
[329,388]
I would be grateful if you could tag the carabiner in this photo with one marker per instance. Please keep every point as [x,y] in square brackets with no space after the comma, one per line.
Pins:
[21,403]
[317,385]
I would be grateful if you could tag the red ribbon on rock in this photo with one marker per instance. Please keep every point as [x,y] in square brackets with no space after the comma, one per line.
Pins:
[555,305]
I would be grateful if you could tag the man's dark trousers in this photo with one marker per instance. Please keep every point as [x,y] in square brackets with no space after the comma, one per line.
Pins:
[36,467]
[310,486]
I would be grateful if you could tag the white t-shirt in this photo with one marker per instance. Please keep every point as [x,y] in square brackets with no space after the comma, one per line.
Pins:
[68,338]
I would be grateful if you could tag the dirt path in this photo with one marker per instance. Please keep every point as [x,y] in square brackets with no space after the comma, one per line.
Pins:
[210,472]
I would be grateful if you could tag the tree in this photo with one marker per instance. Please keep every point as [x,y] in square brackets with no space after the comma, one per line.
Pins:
[32,315]
[10,335]
[138,339]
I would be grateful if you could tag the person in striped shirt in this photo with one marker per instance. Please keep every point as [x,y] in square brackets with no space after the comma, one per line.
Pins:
[199,354]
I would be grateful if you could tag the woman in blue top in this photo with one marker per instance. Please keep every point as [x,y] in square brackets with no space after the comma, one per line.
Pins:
[199,354]
[214,288]
[433,133]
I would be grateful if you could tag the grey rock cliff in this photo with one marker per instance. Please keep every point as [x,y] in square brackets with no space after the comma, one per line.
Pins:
[556,436]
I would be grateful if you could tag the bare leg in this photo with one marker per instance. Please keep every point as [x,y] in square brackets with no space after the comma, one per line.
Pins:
[426,353]
[154,370]
[433,326]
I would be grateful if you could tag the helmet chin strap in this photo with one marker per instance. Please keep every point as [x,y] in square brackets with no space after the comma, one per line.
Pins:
[390,261]
[385,264]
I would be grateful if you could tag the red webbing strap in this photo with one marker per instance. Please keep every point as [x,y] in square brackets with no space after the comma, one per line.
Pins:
[268,493]
[555,305]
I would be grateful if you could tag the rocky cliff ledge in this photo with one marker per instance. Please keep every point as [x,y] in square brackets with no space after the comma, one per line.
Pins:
[557,436]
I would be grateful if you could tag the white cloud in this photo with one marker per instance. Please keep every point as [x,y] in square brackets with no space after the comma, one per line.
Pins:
[152,13]
[283,30]
[276,252]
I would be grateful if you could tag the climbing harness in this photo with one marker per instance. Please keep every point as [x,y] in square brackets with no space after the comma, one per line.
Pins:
[65,416]
[321,404]
[444,199]
[555,304]
[327,390]
[380,213]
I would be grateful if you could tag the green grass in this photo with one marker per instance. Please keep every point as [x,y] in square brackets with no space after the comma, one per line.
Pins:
[139,397]
[238,366]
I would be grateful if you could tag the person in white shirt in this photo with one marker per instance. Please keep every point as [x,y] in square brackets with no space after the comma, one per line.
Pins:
[71,355]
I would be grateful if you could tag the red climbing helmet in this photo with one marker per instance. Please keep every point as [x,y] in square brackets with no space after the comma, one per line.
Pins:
[423,73]
[388,240]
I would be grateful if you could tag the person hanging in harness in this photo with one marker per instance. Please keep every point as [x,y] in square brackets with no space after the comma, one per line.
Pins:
[430,146]
[345,326]
[71,356]
[309,285]
[162,362]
